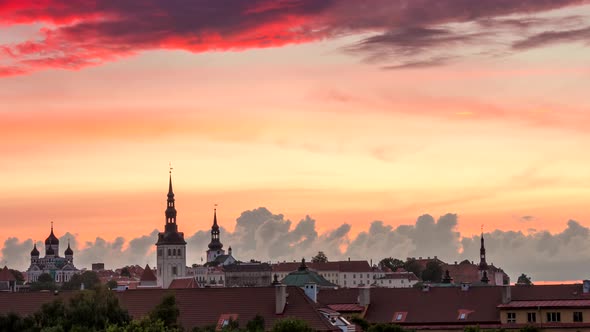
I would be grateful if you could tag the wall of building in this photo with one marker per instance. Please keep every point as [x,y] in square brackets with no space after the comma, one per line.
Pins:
[171,262]
[567,315]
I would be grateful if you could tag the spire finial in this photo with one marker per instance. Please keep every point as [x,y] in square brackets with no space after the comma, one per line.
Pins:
[51,226]
[215,214]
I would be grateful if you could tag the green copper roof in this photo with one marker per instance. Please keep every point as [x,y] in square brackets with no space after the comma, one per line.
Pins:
[304,276]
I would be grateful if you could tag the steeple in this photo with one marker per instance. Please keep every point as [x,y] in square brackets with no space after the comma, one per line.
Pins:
[170,205]
[170,234]
[483,265]
[69,251]
[215,242]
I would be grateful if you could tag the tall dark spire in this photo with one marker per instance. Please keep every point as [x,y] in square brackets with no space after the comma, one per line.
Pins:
[483,265]
[171,235]
[170,205]
[215,242]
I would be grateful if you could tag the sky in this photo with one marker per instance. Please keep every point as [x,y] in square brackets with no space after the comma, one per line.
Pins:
[366,129]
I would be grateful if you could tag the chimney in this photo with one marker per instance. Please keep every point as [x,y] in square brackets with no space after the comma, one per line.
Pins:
[364,296]
[280,298]
[349,259]
[506,294]
[586,286]
[311,290]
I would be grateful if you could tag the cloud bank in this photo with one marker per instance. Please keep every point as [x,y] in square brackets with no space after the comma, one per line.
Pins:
[79,33]
[260,234]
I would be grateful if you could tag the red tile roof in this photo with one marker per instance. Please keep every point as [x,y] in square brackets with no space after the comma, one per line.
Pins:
[148,274]
[581,303]
[183,283]
[6,275]
[198,307]
[346,307]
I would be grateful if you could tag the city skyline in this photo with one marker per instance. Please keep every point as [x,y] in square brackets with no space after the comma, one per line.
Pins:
[354,117]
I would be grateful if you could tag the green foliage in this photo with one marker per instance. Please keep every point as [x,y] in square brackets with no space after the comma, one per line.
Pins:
[363,323]
[167,311]
[385,327]
[13,322]
[320,258]
[291,325]
[524,280]
[17,275]
[232,326]
[433,272]
[412,265]
[90,280]
[529,328]
[471,329]
[208,328]
[144,325]
[125,272]
[44,282]
[392,263]
[111,284]
[256,324]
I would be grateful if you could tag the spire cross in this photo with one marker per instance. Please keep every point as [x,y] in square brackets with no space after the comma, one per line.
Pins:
[52,226]
[170,166]
[482,228]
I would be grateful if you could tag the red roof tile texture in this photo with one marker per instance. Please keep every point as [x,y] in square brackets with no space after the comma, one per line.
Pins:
[5,275]
[198,307]
[148,274]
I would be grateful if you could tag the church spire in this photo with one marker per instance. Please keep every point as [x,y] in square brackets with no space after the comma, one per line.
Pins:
[483,265]
[215,243]
[170,205]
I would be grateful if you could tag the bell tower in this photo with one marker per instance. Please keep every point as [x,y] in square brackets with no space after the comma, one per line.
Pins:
[171,246]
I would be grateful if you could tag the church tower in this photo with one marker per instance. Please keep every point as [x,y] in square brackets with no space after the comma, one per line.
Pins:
[215,246]
[483,265]
[171,247]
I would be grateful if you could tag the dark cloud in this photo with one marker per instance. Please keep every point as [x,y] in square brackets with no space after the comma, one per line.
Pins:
[553,37]
[82,33]
[260,234]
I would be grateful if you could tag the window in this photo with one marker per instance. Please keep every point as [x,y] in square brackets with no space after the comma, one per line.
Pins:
[354,275]
[554,316]
[531,317]
[160,252]
[462,316]
[511,317]
[179,252]
[174,271]
[578,316]
[173,252]
[169,252]
[399,317]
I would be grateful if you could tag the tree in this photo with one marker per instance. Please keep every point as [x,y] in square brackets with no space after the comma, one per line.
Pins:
[385,327]
[319,258]
[433,272]
[363,323]
[125,272]
[524,280]
[44,282]
[392,263]
[256,324]
[291,325]
[167,311]
[90,280]
[17,275]
[412,265]
[112,284]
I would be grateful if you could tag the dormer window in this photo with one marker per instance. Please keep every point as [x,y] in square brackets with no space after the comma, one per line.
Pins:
[399,317]
[462,316]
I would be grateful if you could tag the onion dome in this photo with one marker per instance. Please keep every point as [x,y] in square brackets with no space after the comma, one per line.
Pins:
[49,251]
[35,252]
[69,251]
[51,239]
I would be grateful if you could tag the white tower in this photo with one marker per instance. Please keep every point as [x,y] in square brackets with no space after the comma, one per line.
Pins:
[171,247]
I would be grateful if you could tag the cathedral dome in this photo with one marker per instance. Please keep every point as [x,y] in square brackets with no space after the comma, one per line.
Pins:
[49,251]
[69,251]
[35,252]
[51,239]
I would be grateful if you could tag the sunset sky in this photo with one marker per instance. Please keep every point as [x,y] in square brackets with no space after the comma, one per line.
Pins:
[346,111]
